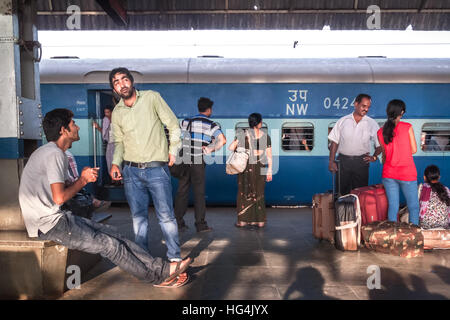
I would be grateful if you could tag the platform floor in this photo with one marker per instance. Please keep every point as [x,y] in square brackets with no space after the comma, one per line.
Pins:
[281,261]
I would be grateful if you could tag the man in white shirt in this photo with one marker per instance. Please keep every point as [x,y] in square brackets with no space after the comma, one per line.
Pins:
[351,138]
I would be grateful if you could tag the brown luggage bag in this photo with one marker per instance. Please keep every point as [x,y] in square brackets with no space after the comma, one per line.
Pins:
[399,239]
[323,216]
[436,239]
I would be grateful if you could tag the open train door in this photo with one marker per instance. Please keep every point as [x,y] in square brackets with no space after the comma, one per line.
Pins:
[104,189]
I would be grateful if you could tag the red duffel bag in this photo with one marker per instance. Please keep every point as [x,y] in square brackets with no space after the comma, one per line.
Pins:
[373,203]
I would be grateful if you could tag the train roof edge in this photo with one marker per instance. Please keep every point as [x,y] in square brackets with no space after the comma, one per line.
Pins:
[224,70]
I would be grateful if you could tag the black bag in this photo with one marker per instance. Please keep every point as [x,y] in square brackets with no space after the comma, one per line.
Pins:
[347,223]
[180,169]
[80,205]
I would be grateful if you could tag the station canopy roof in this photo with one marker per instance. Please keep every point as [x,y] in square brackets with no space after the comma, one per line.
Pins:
[427,15]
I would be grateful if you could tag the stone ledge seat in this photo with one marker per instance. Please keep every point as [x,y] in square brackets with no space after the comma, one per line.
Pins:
[31,268]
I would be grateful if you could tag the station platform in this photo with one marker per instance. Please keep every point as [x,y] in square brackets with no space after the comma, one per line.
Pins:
[280,262]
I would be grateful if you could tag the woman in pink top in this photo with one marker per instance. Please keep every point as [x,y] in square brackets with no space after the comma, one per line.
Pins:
[434,201]
[399,171]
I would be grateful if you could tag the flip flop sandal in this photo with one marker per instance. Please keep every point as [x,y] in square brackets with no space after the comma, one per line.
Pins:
[174,283]
[179,270]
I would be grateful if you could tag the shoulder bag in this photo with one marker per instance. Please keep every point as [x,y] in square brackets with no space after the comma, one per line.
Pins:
[237,162]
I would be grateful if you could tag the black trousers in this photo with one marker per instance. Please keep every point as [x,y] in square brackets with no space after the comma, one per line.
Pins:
[196,177]
[353,173]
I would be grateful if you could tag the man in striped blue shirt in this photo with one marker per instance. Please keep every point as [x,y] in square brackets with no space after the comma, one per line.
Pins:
[200,135]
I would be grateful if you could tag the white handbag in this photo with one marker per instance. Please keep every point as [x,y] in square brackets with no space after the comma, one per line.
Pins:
[237,162]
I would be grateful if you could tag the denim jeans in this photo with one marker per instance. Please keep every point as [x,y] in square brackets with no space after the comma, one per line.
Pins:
[409,189]
[88,236]
[139,184]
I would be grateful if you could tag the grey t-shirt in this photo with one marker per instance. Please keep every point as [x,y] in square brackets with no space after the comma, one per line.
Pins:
[47,165]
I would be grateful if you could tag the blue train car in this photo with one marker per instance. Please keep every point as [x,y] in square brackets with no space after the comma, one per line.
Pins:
[297,98]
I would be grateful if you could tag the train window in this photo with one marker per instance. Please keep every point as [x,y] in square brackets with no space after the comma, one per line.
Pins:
[435,137]
[166,131]
[297,136]
[331,126]
[244,126]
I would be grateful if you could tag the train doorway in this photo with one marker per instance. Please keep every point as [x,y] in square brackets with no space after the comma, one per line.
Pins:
[101,106]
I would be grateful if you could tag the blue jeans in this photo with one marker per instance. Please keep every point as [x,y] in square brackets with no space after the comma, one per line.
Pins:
[409,189]
[88,236]
[139,184]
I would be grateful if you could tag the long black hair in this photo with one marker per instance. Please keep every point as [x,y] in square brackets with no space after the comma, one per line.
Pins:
[394,109]
[432,173]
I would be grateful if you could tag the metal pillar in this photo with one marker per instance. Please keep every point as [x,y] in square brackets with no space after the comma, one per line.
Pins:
[20,108]
[29,267]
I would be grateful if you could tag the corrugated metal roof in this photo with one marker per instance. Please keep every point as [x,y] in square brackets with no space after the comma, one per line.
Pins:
[241,15]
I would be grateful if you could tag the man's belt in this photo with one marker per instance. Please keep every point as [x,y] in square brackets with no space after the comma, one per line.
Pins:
[352,157]
[144,165]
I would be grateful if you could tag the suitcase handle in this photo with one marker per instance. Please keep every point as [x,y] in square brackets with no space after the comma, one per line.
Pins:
[337,173]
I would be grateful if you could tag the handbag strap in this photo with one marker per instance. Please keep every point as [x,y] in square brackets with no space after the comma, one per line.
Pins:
[247,134]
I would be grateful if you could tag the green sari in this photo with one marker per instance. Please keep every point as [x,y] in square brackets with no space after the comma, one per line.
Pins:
[251,204]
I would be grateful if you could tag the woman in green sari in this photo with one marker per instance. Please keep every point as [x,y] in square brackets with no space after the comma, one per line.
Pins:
[251,206]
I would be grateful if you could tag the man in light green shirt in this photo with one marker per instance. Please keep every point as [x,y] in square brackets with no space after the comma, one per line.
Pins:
[141,149]
[138,129]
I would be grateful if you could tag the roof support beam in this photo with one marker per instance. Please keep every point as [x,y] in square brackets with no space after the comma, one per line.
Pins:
[313,11]
[115,11]
[423,3]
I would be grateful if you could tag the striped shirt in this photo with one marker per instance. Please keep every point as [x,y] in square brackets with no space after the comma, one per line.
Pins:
[73,170]
[202,132]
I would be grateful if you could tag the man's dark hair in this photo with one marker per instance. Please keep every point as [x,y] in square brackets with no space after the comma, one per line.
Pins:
[54,120]
[123,70]
[362,96]
[204,104]
[254,119]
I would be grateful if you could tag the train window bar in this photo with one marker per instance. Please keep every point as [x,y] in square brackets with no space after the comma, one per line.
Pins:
[330,127]
[297,136]
[166,131]
[435,137]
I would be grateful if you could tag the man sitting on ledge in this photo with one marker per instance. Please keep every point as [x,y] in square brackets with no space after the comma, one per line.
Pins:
[42,191]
